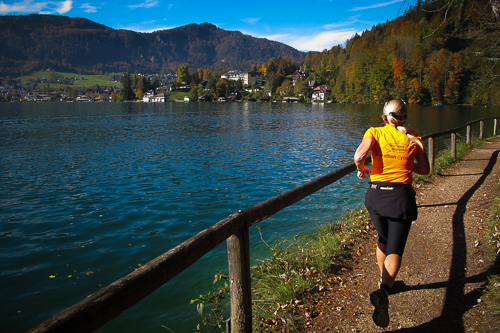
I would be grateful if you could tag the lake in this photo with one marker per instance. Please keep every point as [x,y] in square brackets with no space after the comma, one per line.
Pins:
[90,192]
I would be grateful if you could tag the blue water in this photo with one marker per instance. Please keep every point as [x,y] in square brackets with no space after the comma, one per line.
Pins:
[89,192]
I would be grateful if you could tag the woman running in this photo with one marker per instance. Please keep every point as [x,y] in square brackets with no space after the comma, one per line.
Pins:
[397,152]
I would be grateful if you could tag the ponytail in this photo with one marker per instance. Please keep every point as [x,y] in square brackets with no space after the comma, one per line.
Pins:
[395,114]
[402,129]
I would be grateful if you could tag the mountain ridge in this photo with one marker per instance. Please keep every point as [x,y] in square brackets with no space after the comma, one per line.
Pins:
[77,44]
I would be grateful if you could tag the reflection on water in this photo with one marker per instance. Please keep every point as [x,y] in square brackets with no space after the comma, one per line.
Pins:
[89,192]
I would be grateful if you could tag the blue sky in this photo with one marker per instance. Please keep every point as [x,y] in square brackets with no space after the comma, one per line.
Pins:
[312,25]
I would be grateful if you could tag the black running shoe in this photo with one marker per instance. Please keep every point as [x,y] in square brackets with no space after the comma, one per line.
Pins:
[380,299]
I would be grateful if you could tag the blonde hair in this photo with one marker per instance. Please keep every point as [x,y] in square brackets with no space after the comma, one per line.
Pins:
[395,115]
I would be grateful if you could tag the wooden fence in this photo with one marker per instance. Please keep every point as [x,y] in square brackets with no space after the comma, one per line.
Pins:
[106,304]
[453,132]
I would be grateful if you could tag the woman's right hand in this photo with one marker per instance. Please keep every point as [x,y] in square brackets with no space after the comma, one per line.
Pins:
[363,172]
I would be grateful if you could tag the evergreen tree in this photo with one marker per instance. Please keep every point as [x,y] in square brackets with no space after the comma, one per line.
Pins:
[156,83]
[126,93]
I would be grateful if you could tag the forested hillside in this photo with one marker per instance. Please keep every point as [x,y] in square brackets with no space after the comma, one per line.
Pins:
[32,42]
[438,51]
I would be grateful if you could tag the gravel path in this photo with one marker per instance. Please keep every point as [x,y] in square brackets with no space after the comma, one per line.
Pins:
[447,259]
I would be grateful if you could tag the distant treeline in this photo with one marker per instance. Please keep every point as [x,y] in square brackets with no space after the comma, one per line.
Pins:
[438,51]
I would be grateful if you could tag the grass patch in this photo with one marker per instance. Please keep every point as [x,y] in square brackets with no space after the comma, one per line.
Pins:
[301,266]
[178,95]
[88,80]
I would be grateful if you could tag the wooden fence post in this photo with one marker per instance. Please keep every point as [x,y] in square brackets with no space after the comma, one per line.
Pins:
[454,145]
[495,127]
[431,153]
[468,134]
[238,251]
[481,129]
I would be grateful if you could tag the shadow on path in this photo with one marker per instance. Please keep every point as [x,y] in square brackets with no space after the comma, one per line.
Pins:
[456,303]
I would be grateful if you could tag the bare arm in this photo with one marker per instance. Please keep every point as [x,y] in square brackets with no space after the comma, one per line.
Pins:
[422,166]
[360,156]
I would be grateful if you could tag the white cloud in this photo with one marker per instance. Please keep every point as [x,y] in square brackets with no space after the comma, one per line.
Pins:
[147,4]
[42,7]
[377,5]
[352,20]
[314,42]
[323,40]
[88,8]
[276,37]
[148,26]
[65,7]
[155,29]
[251,20]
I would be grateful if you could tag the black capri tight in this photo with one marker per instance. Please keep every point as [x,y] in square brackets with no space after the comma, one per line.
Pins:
[392,232]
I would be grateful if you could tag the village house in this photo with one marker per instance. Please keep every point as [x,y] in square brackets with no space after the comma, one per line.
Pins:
[297,75]
[249,78]
[160,98]
[83,98]
[151,97]
[231,75]
[148,96]
[321,93]
[31,97]
[38,97]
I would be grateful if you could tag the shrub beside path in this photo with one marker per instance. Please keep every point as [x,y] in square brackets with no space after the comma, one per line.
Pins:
[440,287]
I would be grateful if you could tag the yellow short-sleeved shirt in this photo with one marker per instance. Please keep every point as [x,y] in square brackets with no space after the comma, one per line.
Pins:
[393,154]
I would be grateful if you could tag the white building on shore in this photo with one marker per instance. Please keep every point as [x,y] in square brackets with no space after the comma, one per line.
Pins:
[151,97]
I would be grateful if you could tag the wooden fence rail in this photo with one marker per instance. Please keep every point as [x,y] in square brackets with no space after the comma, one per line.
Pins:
[101,307]
[453,132]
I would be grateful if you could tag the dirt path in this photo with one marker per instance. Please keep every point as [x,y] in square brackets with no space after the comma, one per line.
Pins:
[446,261]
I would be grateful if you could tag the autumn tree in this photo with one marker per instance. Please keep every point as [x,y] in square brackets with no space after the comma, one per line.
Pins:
[183,74]
[286,88]
[434,84]
[139,94]
[221,87]
[207,74]
[415,92]
[400,78]
[73,93]
[193,94]
[301,88]
[452,89]
[199,74]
